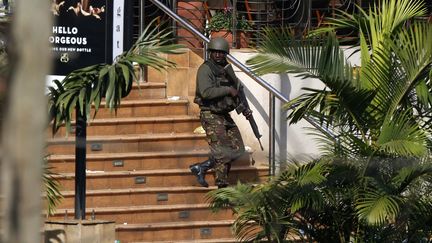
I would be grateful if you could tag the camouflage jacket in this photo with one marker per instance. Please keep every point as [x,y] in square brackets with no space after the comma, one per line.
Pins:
[213,83]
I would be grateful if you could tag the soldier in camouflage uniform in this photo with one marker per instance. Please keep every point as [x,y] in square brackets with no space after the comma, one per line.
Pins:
[216,93]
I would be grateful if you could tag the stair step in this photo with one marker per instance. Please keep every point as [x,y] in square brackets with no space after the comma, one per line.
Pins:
[130,143]
[135,161]
[147,90]
[150,213]
[130,161]
[136,125]
[138,196]
[156,178]
[192,230]
[144,108]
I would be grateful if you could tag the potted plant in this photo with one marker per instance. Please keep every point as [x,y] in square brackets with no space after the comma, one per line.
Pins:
[221,25]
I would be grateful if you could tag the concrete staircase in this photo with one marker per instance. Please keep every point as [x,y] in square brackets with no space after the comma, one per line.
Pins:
[138,173]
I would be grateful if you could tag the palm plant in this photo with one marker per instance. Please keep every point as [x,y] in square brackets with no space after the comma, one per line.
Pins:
[84,88]
[52,189]
[377,122]
[390,89]
[331,200]
[257,209]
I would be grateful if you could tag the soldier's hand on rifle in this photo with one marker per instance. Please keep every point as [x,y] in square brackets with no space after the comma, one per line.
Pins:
[247,113]
[233,92]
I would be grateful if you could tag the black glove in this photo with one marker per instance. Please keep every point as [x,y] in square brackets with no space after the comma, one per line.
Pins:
[233,92]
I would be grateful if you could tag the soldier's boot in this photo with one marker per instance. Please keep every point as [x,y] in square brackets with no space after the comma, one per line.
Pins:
[222,185]
[200,169]
[228,169]
[222,175]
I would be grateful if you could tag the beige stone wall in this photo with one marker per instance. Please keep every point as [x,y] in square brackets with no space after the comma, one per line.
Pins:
[156,76]
[79,231]
[180,80]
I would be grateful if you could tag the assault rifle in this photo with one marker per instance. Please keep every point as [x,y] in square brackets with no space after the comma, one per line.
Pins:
[244,105]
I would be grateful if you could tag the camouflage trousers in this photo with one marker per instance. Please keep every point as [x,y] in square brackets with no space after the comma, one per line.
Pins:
[225,141]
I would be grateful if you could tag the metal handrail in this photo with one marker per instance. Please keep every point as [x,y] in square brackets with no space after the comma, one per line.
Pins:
[273,92]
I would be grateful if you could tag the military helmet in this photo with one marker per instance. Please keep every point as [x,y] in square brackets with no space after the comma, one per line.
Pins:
[219,44]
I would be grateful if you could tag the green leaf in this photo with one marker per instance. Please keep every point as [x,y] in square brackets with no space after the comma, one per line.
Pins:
[111,88]
[376,207]
[81,100]
[126,76]
[97,102]
[104,71]
[402,136]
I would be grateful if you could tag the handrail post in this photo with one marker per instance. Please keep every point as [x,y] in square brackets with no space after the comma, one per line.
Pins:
[80,163]
[142,70]
[175,9]
[141,16]
[234,25]
[272,137]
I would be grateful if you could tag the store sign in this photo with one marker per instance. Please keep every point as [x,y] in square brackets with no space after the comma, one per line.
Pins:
[118,27]
[82,34]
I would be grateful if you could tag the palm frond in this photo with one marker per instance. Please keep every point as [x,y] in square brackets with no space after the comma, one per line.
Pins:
[302,180]
[381,21]
[413,50]
[390,16]
[311,173]
[407,175]
[260,213]
[345,107]
[52,189]
[377,207]
[310,58]
[378,74]
[402,136]
[304,104]
[230,197]
[423,97]
[340,139]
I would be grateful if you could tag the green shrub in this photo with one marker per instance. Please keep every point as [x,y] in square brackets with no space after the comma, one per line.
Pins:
[222,20]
